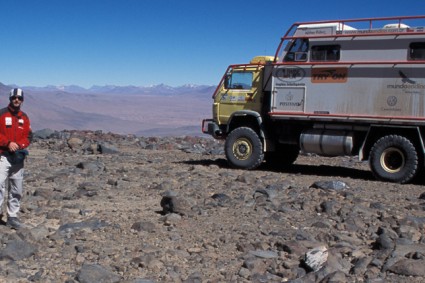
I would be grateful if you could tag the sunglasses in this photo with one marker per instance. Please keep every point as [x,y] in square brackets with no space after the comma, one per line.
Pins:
[16,97]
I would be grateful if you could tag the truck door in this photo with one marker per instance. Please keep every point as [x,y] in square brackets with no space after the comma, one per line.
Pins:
[239,91]
[289,87]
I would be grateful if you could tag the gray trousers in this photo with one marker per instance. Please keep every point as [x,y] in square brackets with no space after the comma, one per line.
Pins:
[11,178]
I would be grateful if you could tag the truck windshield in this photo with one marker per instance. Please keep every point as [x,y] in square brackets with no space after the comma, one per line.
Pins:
[239,80]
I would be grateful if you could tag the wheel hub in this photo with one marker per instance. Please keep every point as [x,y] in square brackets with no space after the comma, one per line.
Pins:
[392,160]
[242,149]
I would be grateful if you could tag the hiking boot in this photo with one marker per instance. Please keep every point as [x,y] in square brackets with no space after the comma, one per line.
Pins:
[14,223]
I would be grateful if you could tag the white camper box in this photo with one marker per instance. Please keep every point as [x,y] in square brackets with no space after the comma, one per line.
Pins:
[347,80]
[351,74]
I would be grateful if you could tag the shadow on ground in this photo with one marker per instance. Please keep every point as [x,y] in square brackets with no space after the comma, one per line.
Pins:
[303,169]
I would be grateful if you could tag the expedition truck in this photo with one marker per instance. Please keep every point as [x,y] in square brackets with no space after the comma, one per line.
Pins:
[333,88]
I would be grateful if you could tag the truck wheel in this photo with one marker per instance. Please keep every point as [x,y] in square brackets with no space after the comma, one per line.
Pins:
[244,149]
[394,158]
[284,156]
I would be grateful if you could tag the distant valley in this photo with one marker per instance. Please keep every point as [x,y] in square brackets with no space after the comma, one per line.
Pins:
[158,110]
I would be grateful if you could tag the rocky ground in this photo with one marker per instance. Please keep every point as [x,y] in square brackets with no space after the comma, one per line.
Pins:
[101,207]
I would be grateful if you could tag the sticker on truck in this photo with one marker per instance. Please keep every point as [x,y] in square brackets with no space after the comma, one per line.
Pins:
[289,99]
[329,75]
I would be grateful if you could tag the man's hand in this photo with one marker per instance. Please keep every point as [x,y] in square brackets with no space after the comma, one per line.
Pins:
[13,146]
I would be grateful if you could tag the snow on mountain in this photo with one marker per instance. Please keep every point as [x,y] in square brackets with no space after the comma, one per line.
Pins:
[160,89]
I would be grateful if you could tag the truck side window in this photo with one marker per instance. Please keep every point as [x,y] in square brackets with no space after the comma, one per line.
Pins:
[325,53]
[297,50]
[239,80]
[417,51]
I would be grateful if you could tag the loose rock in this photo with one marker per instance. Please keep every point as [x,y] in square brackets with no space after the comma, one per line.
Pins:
[102,207]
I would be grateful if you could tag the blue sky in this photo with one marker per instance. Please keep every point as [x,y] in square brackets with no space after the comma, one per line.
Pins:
[142,42]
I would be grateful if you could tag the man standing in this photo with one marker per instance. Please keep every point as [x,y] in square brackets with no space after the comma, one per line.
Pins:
[15,135]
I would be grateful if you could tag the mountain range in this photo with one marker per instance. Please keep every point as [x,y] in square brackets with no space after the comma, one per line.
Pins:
[158,110]
[160,89]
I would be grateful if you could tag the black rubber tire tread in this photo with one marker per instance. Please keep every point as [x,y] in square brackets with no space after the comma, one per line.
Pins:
[284,156]
[405,147]
[257,154]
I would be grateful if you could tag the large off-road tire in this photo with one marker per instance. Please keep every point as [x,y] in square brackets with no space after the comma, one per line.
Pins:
[395,159]
[284,156]
[244,148]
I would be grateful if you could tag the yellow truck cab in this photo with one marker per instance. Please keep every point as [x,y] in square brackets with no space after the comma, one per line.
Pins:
[240,89]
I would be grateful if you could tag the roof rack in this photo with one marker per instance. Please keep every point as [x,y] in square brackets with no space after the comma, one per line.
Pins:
[355,28]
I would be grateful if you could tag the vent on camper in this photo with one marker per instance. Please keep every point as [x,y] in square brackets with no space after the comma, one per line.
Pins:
[396,26]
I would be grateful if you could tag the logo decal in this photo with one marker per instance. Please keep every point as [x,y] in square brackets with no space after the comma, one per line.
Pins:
[405,79]
[407,85]
[8,121]
[290,74]
[329,75]
[289,96]
[392,101]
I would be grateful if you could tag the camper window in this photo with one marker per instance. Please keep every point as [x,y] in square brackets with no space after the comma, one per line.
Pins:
[417,51]
[297,51]
[325,53]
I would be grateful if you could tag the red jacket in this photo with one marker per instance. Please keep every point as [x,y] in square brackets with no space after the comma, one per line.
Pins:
[14,127]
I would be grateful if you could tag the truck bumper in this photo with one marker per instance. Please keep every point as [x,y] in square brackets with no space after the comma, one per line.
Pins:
[211,128]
